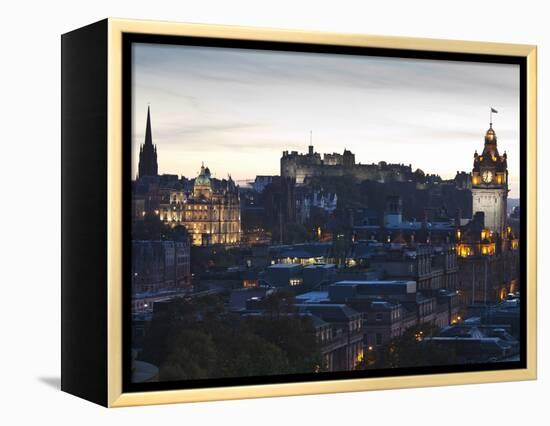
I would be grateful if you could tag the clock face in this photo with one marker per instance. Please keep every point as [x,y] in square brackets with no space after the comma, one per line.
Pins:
[487,176]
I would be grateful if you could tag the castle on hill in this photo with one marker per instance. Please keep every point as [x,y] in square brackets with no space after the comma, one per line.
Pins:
[301,167]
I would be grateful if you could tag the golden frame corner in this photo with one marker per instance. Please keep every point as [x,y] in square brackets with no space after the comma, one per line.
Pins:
[92,58]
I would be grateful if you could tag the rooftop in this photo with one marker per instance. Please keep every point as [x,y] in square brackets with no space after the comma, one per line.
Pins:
[285,266]
[321,266]
[313,297]
[375,282]
[331,312]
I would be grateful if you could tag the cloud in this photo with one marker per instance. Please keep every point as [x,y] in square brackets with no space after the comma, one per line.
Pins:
[209,101]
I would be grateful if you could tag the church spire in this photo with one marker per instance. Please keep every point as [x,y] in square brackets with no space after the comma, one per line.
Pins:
[148,138]
[148,152]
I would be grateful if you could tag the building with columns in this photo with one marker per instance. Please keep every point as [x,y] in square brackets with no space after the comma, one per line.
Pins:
[210,210]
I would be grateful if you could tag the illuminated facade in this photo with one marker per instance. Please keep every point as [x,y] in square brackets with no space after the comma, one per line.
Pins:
[490,184]
[475,239]
[488,234]
[487,246]
[210,210]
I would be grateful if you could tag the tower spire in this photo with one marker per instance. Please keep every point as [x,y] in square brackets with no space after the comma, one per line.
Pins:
[148,137]
[148,165]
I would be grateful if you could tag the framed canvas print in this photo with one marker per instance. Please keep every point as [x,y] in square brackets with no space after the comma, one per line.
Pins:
[251,212]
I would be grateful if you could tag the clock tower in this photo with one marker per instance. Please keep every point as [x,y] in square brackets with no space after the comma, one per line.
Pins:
[490,184]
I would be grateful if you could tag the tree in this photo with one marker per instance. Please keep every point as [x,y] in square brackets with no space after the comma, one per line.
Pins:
[192,355]
[295,336]
[197,339]
[410,350]
[278,302]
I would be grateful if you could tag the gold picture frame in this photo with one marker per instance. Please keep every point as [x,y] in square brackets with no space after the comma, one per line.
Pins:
[115,397]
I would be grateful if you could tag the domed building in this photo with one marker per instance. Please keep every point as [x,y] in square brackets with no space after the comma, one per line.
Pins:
[209,209]
[202,186]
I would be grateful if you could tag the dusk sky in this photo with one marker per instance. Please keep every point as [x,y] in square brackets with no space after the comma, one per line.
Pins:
[236,110]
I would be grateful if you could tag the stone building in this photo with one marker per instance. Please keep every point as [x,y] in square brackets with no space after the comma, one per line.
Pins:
[300,167]
[490,184]
[341,334]
[210,210]
[488,247]
[393,228]
[309,201]
[383,322]
[432,267]
[160,266]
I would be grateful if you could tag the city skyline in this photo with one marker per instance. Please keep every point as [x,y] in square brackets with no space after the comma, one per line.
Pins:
[252,105]
[331,263]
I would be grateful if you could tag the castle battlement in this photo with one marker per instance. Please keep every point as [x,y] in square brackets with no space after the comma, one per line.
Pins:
[302,166]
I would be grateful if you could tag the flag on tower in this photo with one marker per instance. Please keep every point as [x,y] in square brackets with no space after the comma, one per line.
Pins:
[494,110]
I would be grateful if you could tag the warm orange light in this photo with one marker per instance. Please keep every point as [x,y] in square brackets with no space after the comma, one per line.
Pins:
[360,357]
[502,294]
[464,250]
[250,283]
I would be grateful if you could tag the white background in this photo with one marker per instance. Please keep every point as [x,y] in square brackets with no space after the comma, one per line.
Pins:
[30,211]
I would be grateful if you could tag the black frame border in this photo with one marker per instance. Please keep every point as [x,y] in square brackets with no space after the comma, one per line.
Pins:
[130,38]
